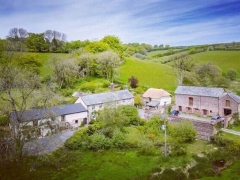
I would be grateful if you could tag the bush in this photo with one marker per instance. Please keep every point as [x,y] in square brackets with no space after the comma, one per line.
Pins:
[183,132]
[133,82]
[88,87]
[98,141]
[131,113]
[232,74]
[139,90]
[118,139]
[4,120]
[178,149]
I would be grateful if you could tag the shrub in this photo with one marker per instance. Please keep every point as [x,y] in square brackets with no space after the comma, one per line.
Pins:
[232,74]
[88,87]
[182,132]
[131,114]
[133,81]
[118,139]
[4,120]
[139,90]
[99,141]
[138,100]
[178,149]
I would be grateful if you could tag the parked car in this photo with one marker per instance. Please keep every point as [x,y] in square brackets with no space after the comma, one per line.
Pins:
[215,118]
[175,112]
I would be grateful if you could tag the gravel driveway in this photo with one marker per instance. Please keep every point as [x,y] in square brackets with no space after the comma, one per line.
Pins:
[47,144]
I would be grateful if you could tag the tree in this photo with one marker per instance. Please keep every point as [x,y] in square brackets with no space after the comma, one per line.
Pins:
[232,74]
[87,64]
[36,42]
[97,47]
[114,43]
[183,132]
[182,64]
[133,82]
[138,100]
[19,90]
[65,71]
[17,37]
[208,74]
[108,62]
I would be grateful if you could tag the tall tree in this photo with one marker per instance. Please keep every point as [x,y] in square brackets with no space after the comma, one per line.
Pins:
[65,71]
[108,62]
[182,63]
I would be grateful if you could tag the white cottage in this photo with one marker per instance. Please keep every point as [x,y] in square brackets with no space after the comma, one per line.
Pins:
[95,102]
[71,115]
[154,98]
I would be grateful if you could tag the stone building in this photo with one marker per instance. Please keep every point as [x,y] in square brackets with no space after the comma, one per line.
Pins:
[206,101]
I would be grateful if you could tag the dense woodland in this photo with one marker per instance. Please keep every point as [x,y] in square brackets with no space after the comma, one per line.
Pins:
[118,137]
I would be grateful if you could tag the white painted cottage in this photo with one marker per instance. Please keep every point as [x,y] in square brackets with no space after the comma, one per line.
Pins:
[96,102]
[154,98]
[71,115]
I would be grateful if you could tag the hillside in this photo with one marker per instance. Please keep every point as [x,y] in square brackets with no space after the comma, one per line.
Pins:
[149,74]
[224,59]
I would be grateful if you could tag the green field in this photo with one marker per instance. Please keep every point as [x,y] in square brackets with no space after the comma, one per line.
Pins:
[149,74]
[224,59]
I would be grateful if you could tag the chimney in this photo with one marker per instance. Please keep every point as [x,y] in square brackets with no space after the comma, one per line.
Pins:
[112,87]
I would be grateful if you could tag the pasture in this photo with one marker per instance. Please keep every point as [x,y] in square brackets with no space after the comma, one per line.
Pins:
[224,59]
[149,74]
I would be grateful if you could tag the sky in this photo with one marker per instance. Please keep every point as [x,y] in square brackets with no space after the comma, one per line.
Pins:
[172,22]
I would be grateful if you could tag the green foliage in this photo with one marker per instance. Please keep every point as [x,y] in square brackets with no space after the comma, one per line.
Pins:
[29,62]
[97,47]
[177,149]
[131,114]
[114,43]
[138,100]
[232,74]
[236,119]
[98,141]
[4,120]
[118,139]
[169,174]
[139,90]
[182,132]
[88,87]
[36,42]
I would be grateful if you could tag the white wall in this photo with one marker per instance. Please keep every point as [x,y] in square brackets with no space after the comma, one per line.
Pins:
[71,118]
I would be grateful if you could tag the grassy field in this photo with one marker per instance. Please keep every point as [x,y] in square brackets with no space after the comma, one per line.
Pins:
[224,59]
[117,164]
[149,74]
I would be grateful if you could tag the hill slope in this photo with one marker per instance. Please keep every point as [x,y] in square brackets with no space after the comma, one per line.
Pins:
[149,74]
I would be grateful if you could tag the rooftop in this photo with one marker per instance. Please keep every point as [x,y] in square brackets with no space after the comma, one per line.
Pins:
[36,114]
[106,97]
[156,93]
[200,91]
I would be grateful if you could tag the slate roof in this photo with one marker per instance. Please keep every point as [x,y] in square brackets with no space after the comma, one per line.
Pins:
[105,97]
[235,97]
[37,114]
[156,93]
[153,103]
[199,91]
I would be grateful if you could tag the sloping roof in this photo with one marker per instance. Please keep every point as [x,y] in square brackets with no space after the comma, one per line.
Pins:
[156,93]
[235,97]
[111,96]
[37,114]
[153,103]
[199,91]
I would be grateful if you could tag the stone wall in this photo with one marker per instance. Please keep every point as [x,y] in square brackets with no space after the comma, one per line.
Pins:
[204,129]
[233,105]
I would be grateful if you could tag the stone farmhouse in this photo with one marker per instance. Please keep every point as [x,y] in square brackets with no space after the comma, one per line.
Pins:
[155,98]
[206,101]
[47,119]
[96,102]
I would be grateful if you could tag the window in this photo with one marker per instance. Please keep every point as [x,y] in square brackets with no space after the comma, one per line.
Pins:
[100,106]
[190,102]
[93,107]
[227,103]
[76,121]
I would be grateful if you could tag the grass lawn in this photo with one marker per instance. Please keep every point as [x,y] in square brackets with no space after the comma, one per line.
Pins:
[224,59]
[149,74]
